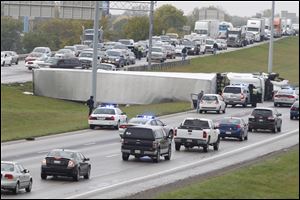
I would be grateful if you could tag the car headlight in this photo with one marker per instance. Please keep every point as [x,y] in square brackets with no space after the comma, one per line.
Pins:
[117,60]
[44,162]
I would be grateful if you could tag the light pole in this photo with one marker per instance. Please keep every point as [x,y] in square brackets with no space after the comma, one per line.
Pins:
[270,61]
[150,35]
[95,53]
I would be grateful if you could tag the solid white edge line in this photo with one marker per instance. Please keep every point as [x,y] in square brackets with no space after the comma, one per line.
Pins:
[184,166]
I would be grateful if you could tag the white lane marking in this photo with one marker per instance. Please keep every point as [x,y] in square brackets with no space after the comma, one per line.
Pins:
[114,155]
[91,143]
[183,166]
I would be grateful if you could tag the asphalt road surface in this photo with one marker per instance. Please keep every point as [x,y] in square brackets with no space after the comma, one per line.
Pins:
[19,73]
[111,177]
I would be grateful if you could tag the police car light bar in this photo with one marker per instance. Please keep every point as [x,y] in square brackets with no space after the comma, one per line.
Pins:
[108,105]
[145,116]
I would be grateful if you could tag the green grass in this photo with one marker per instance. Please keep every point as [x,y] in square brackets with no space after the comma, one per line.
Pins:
[275,178]
[255,59]
[25,116]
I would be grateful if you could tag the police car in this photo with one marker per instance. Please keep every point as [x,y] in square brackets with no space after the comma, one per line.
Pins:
[107,115]
[145,120]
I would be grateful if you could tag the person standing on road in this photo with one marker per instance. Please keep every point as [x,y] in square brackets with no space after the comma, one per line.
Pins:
[200,95]
[90,104]
[184,52]
[215,48]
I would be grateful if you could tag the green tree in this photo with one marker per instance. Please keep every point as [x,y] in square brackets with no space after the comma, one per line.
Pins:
[168,16]
[118,28]
[11,30]
[137,28]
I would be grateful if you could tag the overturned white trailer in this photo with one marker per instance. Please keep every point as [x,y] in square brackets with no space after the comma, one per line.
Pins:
[121,87]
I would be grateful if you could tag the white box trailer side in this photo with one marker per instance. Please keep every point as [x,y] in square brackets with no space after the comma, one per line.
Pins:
[121,87]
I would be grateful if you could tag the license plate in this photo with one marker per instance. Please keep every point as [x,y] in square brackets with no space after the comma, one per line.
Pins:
[189,140]
[56,162]
[100,118]
[137,151]
[228,132]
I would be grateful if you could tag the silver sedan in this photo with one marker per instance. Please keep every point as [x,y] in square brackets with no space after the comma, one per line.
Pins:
[15,177]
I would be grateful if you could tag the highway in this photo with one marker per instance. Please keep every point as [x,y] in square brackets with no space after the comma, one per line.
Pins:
[19,73]
[111,177]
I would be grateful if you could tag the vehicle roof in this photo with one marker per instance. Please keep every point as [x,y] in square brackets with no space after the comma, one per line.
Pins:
[67,150]
[9,162]
[146,127]
[263,108]
[201,119]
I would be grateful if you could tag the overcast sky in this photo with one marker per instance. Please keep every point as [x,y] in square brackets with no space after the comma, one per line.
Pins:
[239,8]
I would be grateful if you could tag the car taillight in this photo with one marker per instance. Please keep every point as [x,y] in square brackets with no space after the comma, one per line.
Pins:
[44,162]
[238,126]
[291,97]
[271,118]
[175,132]
[154,145]
[92,118]
[71,164]
[9,176]
[123,126]
[242,96]
[110,118]
[294,108]
[204,134]
[276,96]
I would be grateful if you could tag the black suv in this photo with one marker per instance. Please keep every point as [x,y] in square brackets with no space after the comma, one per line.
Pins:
[146,141]
[265,118]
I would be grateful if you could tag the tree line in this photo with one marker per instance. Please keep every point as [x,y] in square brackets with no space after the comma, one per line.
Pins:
[56,33]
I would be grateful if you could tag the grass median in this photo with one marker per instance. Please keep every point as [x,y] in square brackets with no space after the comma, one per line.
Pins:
[255,59]
[24,116]
[275,178]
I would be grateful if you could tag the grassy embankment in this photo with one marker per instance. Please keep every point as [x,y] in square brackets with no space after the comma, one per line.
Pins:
[25,116]
[285,60]
[275,178]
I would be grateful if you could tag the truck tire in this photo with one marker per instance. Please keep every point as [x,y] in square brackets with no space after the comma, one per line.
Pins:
[216,145]
[157,158]
[205,149]
[177,146]
[168,157]
[125,156]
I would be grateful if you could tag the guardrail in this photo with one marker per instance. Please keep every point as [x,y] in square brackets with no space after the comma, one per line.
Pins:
[159,66]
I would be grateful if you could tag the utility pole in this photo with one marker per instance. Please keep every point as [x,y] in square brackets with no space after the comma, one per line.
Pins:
[150,35]
[270,61]
[95,53]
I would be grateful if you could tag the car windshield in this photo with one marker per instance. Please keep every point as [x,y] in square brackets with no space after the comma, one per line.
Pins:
[125,42]
[86,55]
[230,121]
[139,133]
[39,50]
[209,98]
[64,51]
[51,60]
[7,167]
[262,112]
[253,29]
[195,123]
[138,121]
[71,48]
[104,111]
[113,53]
[209,42]
[233,90]
[156,49]
[61,154]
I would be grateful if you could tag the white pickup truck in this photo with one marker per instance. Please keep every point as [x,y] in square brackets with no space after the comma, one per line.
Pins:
[197,132]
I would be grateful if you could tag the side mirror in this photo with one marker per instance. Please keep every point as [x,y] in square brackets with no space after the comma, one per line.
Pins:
[25,171]
[86,159]
[279,114]
[123,113]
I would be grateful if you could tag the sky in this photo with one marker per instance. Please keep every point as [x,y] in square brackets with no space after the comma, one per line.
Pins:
[239,8]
